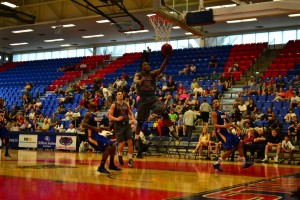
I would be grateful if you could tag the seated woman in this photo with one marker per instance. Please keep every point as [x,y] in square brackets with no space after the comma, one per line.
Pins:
[204,139]
[280,95]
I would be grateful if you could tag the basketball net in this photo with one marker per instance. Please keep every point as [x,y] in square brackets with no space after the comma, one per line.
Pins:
[162,28]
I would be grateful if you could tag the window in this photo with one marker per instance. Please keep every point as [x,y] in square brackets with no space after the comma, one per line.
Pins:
[183,44]
[40,56]
[248,38]
[194,43]
[130,48]
[275,37]
[298,34]
[288,35]
[235,39]
[140,47]
[72,53]
[261,37]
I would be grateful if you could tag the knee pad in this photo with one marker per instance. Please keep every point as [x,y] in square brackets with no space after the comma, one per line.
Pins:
[165,115]
[140,123]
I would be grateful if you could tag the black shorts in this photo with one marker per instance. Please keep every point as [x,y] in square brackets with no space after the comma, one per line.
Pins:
[146,106]
[123,132]
[205,116]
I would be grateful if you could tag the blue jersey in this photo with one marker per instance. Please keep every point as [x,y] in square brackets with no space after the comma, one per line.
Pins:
[228,139]
[102,141]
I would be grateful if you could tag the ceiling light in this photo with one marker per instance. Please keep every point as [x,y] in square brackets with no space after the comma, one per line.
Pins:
[17,44]
[241,20]
[65,45]
[64,26]
[9,4]
[92,36]
[176,27]
[139,31]
[222,6]
[23,31]
[150,15]
[189,33]
[54,40]
[102,21]
[294,15]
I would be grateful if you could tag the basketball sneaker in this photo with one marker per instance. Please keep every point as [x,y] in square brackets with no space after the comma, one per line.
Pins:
[246,165]
[130,163]
[121,160]
[216,166]
[114,167]
[102,170]
[174,135]
[7,155]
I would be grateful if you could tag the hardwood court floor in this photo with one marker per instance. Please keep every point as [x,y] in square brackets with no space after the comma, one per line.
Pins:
[31,174]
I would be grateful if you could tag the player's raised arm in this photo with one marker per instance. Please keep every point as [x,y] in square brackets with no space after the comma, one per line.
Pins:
[162,67]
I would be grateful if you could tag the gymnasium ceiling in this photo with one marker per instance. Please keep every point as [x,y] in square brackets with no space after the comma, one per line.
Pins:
[49,13]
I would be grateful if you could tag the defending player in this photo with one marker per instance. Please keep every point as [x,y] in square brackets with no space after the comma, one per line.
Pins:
[98,142]
[119,113]
[146,85]
[229,141]
[4,133]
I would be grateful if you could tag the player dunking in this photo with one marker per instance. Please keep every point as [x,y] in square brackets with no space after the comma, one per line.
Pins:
[146,85]
[229,141]
[118,113]
[4,134]
[98,142]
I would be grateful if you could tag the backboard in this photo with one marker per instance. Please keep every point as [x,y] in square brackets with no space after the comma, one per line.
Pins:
[176,14]
[127,26]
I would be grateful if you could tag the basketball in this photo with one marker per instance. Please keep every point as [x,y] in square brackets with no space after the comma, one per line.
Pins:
[166,49]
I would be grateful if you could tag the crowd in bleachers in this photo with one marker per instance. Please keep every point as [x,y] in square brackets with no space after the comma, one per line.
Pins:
[263,105]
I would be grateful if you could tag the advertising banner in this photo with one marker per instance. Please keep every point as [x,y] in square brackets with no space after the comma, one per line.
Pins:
[46,141]
[14,140]
[28,141]
[66,142]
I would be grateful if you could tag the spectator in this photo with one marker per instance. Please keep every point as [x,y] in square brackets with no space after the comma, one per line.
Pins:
[179,107]
[224,81]
[71,129]
[204,139]
[289,116]
[53,120]
[13,113]
[68,115]
[60,109]
[181,88]
[193,69]
[198,91]
[279,82]
[46,126]
[107,95]
[26,126]
[205,109]
[194,84]
[59,127]
[171,84]
[280,95]
[213,62]
[295,101]
[214,76]
[248,141]
[295,83]
[289,93]
[287,147]
[259,143]
[274,143]
[186,70]
[173,116]
[180,126]
[189,117]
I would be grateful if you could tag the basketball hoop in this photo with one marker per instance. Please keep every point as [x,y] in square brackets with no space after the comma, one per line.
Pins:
[162,28]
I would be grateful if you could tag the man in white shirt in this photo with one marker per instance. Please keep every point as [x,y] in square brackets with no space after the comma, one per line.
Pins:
[189,118]
[107,95]
[71,129]
[69,115]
